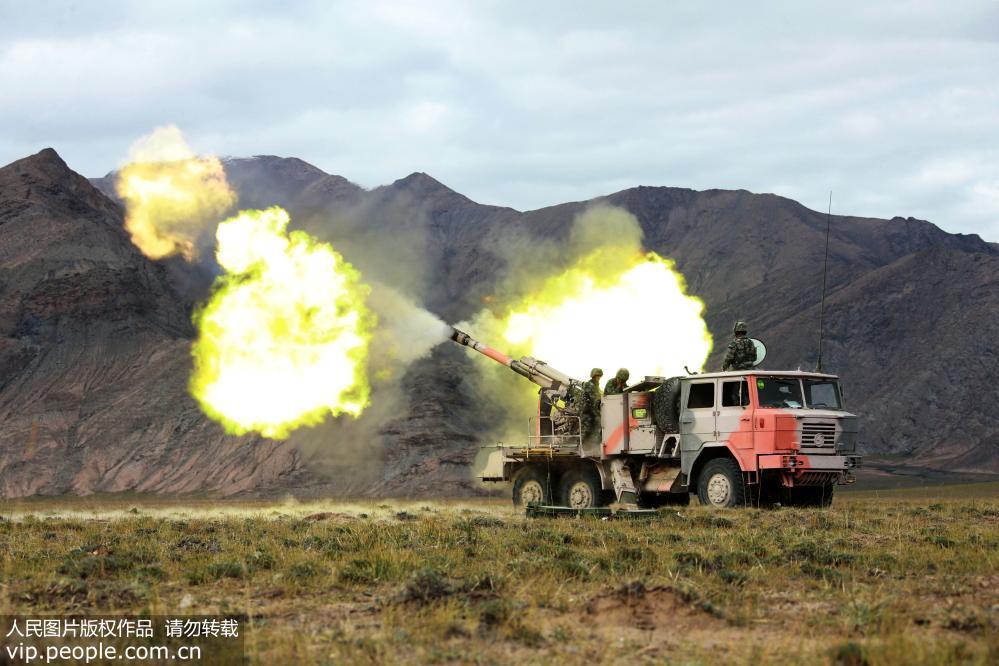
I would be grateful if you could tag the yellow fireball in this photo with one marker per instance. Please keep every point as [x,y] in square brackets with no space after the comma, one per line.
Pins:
[171,194]
[283,338]
[617,309]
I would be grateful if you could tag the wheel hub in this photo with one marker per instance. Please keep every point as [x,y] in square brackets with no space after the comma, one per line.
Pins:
[719,489]
[532,492]
[580,495]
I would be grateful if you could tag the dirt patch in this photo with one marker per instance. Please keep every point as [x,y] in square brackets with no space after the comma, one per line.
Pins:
[328,515]
[634,605]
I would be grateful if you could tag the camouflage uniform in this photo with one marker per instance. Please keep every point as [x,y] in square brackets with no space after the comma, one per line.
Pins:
[614,386]
[741,353]
[618,383]
[588,402]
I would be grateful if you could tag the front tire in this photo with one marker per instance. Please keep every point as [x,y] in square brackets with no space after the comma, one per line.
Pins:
[530,486]
[811,496]
[581,489]
[720,484]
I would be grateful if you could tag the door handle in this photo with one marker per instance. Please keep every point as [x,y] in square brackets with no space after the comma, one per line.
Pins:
[686,420]
[744,418]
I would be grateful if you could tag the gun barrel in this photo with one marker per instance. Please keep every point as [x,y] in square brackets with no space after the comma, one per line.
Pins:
[463,338]
[537,371]
[541,368]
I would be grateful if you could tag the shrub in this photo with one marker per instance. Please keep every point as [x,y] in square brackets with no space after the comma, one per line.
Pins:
[302,570]
[688,558]
[260,560]
[219,570]
[494,612]
[151,572]
[427,585]
[848,654]
[733,577]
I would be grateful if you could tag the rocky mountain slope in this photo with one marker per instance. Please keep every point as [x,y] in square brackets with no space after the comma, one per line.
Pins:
[94,355]
[94,338]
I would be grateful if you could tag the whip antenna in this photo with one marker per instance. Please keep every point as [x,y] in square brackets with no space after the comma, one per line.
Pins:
[825,270]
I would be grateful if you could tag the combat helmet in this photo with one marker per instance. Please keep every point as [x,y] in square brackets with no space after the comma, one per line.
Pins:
[740,327]
[596,371]
[623,374]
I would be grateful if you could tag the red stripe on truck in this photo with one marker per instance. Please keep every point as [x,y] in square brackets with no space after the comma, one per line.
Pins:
[613,441]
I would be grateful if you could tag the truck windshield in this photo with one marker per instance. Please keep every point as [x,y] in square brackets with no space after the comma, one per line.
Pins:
[779,392]
[787,392]
[821,393]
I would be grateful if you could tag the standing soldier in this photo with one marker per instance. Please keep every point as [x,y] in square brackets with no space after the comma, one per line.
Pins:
[741,353]
[593,386]
[588,404]
[617,383]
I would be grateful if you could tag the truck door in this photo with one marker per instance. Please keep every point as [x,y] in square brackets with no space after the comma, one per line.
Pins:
[697,416]
[734,413]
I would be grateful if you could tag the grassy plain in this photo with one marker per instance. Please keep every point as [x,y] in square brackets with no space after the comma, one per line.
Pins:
[881,578]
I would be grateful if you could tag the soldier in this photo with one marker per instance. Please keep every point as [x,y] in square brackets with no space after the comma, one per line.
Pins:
[741,353]
[589,405]
[593,386]
[617,383]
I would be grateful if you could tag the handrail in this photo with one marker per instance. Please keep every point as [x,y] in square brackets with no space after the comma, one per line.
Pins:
[553,442]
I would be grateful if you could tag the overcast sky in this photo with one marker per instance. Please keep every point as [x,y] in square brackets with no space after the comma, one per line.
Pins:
[894,105]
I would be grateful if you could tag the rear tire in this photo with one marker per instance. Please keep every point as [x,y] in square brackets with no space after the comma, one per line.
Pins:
[530,486]
[580,488]
[720,484]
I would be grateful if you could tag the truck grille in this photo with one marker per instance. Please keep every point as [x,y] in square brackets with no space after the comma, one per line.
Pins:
[816,478]
[818,435]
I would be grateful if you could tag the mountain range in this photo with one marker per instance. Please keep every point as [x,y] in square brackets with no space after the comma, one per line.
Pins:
[95,338]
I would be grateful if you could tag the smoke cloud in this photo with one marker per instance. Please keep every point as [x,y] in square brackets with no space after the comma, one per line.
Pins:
[285,334]
[589,296]
[351,452]
[600,301]
[406,332]
[172,196]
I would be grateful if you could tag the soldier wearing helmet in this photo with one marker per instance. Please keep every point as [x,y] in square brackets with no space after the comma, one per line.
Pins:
[588,403]
[617,383]
[593,388]
[595,375]
[741,354]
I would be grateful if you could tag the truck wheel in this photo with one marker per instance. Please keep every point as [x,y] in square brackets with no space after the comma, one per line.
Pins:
[580,489]
[811,496]
[666,405]
[720,484]
[825,496]
[530,486]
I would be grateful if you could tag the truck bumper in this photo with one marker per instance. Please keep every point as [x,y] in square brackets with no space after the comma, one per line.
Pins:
[794,462]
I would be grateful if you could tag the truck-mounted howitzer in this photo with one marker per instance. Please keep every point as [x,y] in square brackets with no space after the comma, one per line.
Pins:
[732,438]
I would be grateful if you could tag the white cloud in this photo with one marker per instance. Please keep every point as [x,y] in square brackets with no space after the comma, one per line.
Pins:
[984,198]
[893,105]
[425,116]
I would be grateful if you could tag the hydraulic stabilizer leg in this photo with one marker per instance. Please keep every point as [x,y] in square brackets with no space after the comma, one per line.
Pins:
[624,487]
